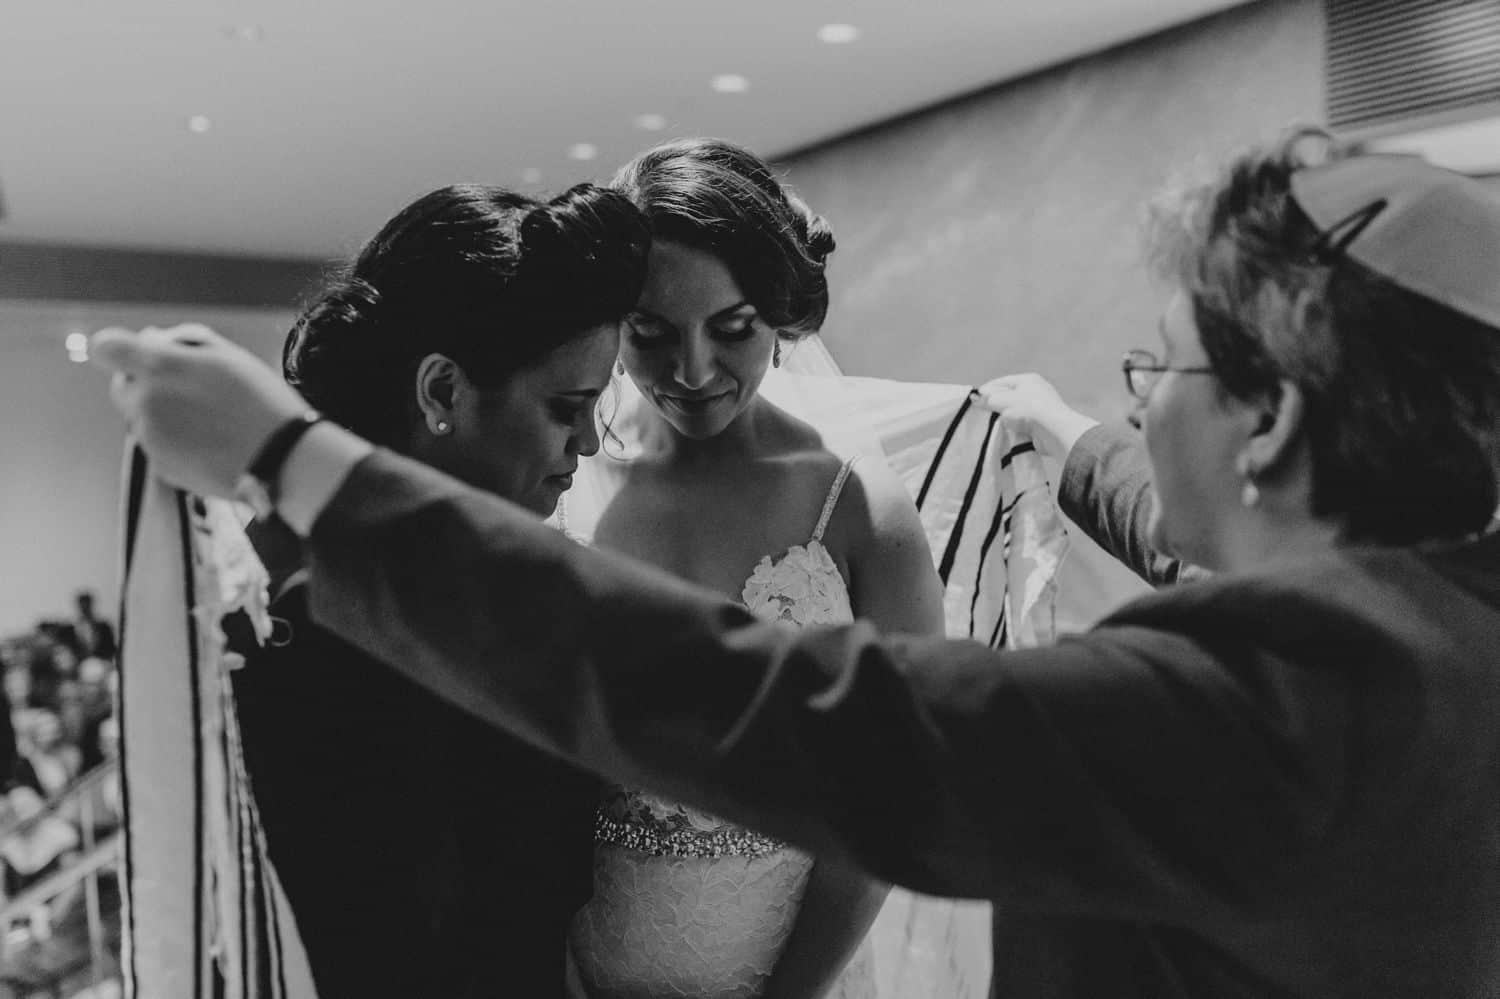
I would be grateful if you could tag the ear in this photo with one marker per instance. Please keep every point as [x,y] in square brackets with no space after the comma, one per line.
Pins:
[439,382]
[1276,432]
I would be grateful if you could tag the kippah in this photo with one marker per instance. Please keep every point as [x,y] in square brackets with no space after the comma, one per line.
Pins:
[1428,230]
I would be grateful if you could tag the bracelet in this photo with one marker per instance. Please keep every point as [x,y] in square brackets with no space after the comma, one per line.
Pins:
[258,487]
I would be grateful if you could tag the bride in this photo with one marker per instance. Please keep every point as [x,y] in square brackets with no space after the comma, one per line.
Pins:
[724,488]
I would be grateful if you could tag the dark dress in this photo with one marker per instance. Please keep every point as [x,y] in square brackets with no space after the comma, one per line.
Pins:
[424,853]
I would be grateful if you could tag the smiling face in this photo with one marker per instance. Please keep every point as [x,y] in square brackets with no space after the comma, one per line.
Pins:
[1194,434]
[523,438]
[694,346]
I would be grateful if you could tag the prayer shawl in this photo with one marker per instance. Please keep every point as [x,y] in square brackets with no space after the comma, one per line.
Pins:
[204,914]
[997,539]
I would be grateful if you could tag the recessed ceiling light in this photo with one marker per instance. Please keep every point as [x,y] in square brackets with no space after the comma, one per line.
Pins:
[531,175]
[199,123]
[837,34]
[582,151]
[651,122]
[77,346]
[244,32]
[730,83]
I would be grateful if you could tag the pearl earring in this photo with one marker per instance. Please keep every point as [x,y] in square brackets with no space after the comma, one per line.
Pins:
[442,427]
[1249,495]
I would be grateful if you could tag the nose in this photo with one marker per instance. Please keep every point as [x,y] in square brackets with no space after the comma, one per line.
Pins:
[694,362]
[586,441]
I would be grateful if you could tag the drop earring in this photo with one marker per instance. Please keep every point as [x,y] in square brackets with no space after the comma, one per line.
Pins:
[1249,492]
[620,367]
[776,355]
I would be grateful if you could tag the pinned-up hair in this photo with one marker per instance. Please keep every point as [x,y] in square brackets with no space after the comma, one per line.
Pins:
[492,279]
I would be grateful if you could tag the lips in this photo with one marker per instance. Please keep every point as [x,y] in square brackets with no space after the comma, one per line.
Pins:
[693,404]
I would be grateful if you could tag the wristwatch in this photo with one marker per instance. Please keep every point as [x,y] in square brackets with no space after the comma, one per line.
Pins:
[257,488]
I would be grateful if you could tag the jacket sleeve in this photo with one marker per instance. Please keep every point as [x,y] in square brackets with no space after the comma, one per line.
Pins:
[1106,490]
[1037,776]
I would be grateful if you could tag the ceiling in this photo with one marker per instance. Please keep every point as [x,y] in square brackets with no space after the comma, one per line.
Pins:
[319,118]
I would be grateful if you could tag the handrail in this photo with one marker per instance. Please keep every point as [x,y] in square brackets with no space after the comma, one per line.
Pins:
[69,795]
[108,852]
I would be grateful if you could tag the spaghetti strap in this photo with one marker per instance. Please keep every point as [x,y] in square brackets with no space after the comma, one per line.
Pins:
[832,500]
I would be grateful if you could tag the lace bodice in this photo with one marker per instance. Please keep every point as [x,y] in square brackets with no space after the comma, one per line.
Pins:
[685,903]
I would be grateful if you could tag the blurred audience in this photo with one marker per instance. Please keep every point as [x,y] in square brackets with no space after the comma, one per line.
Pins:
[57,726]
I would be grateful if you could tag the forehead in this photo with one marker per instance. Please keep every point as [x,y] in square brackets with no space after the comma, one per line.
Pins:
[685,281]
[582,363]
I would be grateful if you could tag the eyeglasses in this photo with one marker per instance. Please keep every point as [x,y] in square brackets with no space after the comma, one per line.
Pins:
[1143,371]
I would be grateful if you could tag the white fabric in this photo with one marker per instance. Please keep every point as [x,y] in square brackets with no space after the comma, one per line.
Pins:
[202,901]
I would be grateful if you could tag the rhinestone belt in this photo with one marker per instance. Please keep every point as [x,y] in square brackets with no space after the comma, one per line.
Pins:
[730,841]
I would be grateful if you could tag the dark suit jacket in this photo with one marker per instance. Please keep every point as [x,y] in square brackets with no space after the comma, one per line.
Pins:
[1284,783]
[424,853]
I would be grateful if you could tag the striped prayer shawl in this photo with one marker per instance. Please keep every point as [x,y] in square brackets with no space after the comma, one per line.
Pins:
[204,914]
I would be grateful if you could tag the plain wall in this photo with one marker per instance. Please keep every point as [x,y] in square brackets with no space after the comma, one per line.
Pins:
[60,450]
[1002,233]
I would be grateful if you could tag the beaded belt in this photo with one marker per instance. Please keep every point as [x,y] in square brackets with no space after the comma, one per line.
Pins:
[729,841]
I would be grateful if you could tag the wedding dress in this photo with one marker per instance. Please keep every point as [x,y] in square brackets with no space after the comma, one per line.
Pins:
[686,904]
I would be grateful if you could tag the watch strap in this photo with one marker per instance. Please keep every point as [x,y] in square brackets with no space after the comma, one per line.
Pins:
[267,463]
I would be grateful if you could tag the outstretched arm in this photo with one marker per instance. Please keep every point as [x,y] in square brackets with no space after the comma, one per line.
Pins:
[1035,776]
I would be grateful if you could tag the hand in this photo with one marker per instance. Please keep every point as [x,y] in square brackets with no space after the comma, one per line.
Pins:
[200,406]
[1030,407]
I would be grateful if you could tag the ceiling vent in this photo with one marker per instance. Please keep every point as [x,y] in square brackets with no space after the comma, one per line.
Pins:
[1397,66]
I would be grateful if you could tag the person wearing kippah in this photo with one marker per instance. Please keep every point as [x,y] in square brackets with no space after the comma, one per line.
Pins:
[1279,780]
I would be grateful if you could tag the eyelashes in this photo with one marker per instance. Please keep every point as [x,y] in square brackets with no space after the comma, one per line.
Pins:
[648,333]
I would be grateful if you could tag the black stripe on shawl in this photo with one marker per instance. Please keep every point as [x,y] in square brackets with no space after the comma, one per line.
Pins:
[942,450]
[1002,626]
[1025,447]
[135,488]
[1002,514]
[184,525]
[945,568]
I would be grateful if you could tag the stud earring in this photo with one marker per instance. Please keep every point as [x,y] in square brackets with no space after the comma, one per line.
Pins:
[442,427]
[776,355]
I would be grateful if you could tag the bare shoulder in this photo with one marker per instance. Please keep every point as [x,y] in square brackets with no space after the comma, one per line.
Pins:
[876,534]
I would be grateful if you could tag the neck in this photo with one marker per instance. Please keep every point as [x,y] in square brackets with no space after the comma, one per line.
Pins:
[1263,540]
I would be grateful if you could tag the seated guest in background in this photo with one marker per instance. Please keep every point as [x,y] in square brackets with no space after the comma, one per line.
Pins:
[91,635]
[49,762]
[423,853]
[1278,781]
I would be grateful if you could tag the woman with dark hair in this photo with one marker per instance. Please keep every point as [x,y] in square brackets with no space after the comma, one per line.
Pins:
[422,853]
[725,489]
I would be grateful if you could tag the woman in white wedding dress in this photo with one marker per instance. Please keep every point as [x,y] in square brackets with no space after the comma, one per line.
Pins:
[722,487]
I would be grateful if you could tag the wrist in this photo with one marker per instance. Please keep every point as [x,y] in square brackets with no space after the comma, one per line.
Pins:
[260,484]
[1071,430]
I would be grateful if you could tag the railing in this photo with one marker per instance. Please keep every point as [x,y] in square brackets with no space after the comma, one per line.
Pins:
[79,793]
[76,804]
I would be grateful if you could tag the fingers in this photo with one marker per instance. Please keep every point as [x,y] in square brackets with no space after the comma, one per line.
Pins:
[120,351]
